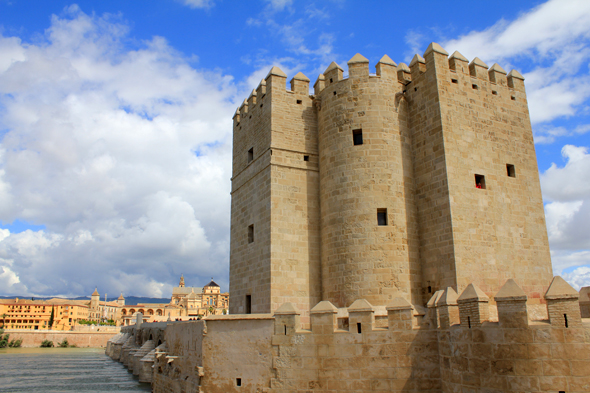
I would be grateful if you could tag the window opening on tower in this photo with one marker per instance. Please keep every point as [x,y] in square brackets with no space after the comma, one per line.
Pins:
[382,217]
[357,137]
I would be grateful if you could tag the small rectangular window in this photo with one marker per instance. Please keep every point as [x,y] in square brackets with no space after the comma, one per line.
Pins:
[248,304]
[474,87]
[238,381]
[381,217]
[359,328]
[454,81]
[480,181]
[251,154]
[357,137]
[305,158]
[494,92]
[251,233]
[513,98]
[510,171]
[299,102]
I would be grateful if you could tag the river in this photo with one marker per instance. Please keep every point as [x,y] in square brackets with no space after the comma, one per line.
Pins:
[64,370]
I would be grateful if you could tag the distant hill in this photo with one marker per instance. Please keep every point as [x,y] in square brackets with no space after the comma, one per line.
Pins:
[130,300]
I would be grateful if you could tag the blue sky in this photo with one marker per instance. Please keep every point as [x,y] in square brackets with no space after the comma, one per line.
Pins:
[115,122]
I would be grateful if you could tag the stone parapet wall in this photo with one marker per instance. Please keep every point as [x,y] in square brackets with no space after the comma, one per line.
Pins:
[537,358]
[33,339]
[409,353]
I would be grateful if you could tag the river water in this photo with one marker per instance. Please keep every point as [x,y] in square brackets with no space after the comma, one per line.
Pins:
[64,370]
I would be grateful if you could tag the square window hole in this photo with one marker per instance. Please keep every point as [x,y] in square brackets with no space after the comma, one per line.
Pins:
[474,87]
[305,158]
[251,154]
[454,81]
[510,170]
[261,105]
[480,181]
[513,98]
[238,381]
[381,217]
[415,89]
[251,233]
[494,92]
[357,137]
[299,102]
[334,93]
[330,80]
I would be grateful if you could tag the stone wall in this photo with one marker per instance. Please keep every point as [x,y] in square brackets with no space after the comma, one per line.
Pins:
[32,339]
[453,349]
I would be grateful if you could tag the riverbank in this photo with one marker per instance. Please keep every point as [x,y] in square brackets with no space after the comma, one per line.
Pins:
[32,339]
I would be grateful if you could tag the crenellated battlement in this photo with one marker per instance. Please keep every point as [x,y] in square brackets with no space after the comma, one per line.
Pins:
[457,64]
[446,309]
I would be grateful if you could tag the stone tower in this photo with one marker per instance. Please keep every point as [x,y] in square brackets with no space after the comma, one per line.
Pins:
[397,184]
[94,300]
[275,221]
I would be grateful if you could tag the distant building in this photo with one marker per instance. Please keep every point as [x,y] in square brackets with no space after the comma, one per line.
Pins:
[185,303]
[36,314]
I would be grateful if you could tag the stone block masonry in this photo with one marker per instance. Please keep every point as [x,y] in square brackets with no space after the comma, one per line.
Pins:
[397,184]
[387,235]
[272,353]
[80,339]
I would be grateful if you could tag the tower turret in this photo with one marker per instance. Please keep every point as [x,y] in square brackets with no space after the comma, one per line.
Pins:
[94,300]
[369,243]
[121,300]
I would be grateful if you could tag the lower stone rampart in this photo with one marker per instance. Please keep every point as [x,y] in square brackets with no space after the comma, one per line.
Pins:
[33,339]
[453,348]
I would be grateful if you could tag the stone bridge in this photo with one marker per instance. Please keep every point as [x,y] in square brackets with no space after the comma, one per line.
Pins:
[136,346]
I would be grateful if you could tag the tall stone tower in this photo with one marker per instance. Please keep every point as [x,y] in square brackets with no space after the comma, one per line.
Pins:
[275,220]
[400,183]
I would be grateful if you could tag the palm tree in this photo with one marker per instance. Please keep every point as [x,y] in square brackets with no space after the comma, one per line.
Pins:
[211,310]
[4,320]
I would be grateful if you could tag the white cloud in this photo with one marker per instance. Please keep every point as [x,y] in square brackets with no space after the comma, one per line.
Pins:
[301,36]
[567,191]
[199,3]
[279,5]
[570,182]
[541,31]
[123,154]
[579,277]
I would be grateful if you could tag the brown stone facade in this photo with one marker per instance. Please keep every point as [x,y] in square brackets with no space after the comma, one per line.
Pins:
[394,184]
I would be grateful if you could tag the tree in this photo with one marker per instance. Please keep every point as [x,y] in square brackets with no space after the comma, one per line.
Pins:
[51,319]
[4,320]
[211,310]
